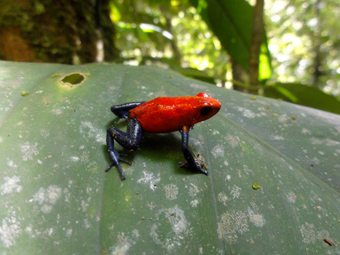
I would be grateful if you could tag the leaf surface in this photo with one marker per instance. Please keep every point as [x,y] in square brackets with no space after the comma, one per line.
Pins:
[56,198]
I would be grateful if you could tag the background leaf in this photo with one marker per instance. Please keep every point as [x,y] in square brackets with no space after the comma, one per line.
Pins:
[303,95]
[56,198]
[230,20]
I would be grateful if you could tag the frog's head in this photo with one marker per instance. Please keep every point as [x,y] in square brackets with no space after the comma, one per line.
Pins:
[206,106]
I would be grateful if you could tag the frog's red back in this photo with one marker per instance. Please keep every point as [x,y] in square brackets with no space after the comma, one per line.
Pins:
[169,114]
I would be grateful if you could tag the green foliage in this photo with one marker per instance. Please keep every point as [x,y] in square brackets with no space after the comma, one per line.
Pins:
[230,20]
[196,45]
[303,95]
[56,198]
[304,36]
[201,34]
[201,47]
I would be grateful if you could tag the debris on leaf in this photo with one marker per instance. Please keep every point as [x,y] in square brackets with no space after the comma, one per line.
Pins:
[256,186]
[252,98]
[329,242]
[199,160]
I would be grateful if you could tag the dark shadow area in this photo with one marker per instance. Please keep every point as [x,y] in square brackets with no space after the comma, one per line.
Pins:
[163,147]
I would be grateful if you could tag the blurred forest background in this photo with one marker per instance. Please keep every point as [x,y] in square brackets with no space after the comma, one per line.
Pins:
[287,49]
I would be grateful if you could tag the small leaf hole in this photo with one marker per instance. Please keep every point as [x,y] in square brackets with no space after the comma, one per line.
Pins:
[73,79]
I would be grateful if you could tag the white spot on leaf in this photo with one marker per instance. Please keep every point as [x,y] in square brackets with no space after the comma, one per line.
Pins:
[235,191]
[277,138]
[308,233]
[10,163]
[9,230]
[194,203]
[45,133]
[222,197]
[150,179]
[169,227]
[84,157]
[193,190]
[215,132]
[256,218]
[69,232]
[124,243]
[74,159]
[232,224]
[29,150]
[232,140]
[218,151]
[171,191]
[47,197]
[291,197]
[247,113]
[305,131]
[87,129]
[10,185]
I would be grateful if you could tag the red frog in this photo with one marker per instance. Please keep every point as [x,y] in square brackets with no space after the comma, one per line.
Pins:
[160,115]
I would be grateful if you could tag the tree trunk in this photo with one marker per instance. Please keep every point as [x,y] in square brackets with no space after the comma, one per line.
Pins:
[240,76]
[107,30]
[317,64]
[176,52]
[50,31]
[256,41]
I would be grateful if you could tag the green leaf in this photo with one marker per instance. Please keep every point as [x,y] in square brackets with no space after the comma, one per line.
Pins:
[303,95]
[265,67]
[231,22]
[57,199]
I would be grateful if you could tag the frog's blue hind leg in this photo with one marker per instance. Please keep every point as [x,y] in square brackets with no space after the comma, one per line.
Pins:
[129,140]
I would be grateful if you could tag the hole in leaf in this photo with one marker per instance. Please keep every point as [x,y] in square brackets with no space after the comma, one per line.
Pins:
[73,79]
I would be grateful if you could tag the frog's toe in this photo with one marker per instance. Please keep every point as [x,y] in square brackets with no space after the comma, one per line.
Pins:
[204,172]
[109,167]
[122,176]
[125,161]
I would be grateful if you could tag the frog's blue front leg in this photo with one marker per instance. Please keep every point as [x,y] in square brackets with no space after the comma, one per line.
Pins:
[122,110]
[187,153]
[129,140]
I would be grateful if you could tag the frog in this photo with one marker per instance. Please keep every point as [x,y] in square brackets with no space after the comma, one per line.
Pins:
[160,115]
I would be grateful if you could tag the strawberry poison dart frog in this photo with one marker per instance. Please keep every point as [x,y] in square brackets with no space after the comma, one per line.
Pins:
[160,115]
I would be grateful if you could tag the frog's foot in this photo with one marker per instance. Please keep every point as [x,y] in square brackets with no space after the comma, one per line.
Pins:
[199,165]
[115,162]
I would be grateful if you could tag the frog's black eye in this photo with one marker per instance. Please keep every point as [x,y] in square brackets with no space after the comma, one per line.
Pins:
[206,110]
